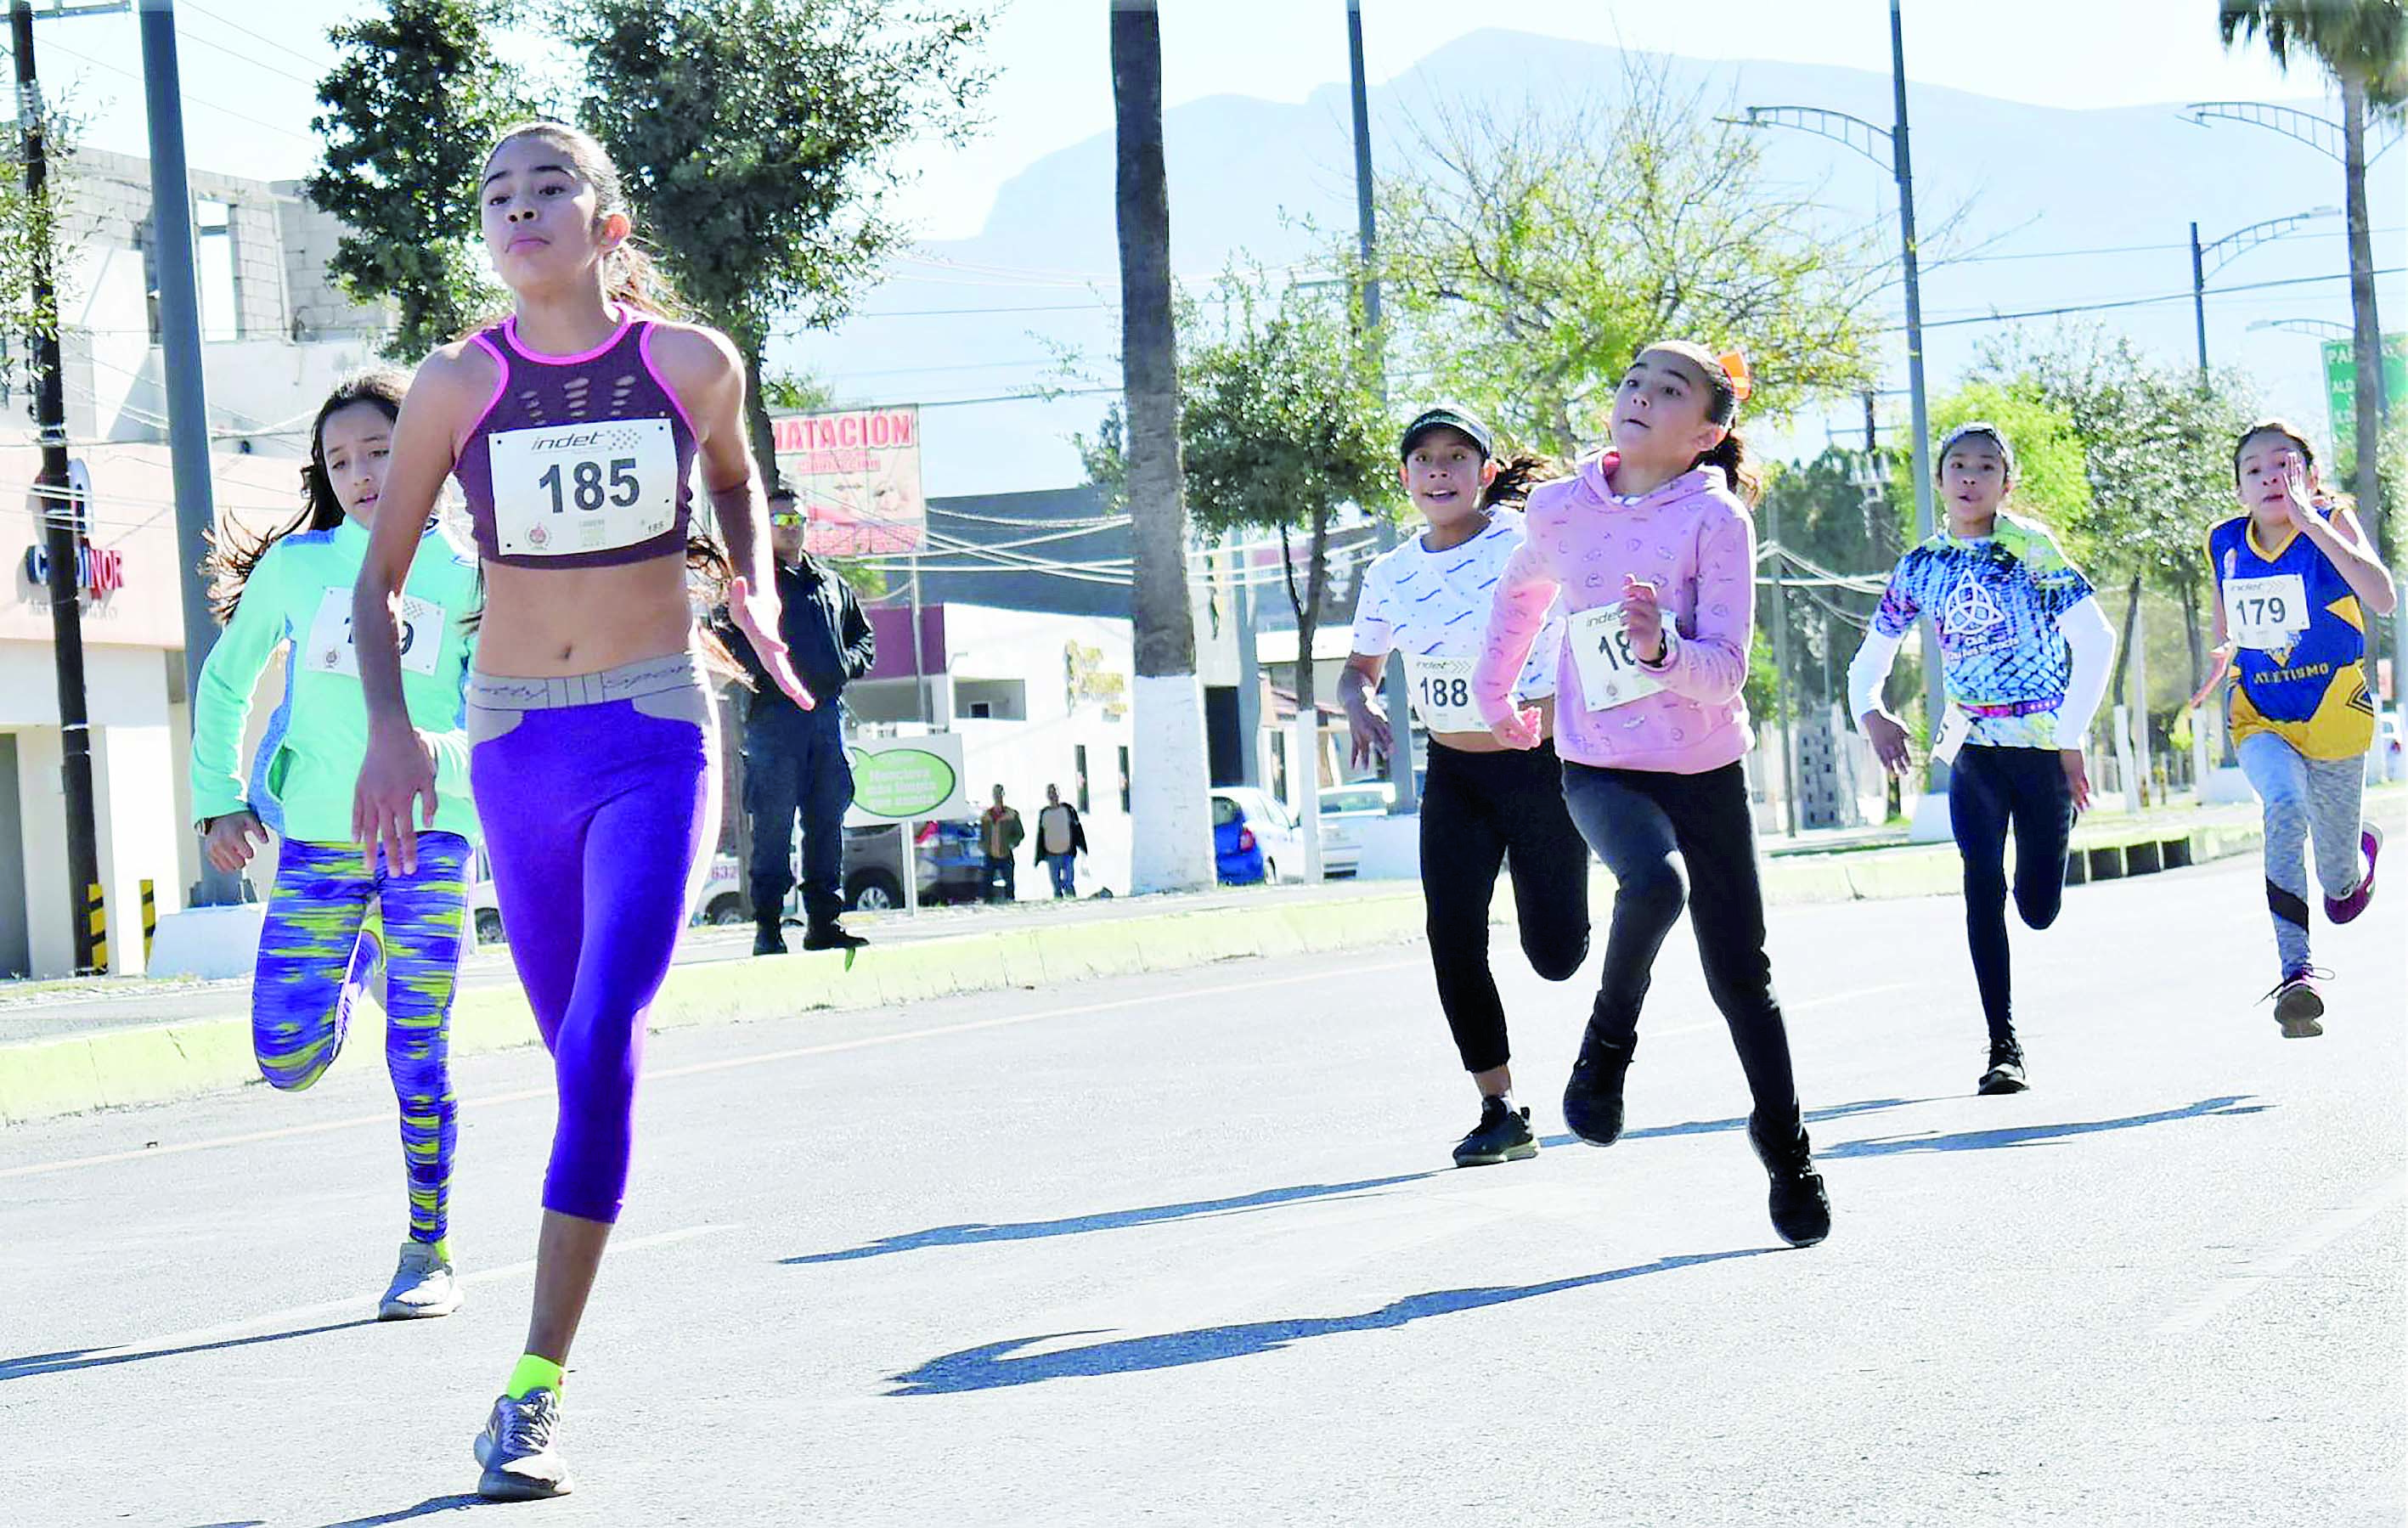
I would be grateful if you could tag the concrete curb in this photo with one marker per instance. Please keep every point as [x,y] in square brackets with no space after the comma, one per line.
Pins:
[43,1078]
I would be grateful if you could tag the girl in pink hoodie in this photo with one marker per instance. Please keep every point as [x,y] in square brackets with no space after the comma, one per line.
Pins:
[1653,554]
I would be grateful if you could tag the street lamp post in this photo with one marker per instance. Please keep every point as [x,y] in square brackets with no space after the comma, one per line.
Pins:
[1889,147]
[2207,259]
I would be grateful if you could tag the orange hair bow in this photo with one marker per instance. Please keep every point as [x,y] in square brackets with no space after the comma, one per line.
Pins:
[1734,364]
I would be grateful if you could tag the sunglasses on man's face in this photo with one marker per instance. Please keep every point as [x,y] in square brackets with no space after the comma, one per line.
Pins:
[787,519]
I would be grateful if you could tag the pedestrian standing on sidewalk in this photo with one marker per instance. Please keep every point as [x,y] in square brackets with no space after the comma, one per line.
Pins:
[578,428]
[1652,549]
[2025,650]
[319,944]
[1061,839]
[999,838]
[1487,808]
[2298,580]
[794,757]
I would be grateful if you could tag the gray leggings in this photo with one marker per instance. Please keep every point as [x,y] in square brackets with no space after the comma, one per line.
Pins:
[2306,800]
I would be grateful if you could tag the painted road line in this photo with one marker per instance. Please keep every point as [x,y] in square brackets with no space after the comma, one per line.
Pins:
[827,1048]
[2251,1276]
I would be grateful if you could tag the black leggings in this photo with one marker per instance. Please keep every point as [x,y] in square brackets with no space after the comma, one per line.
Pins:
[1482,812]
[1637,819]
[1988,790]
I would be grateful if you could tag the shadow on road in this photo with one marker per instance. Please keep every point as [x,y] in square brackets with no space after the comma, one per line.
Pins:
[2011,1135]
[977,1233]
[994,1366]
[102,1358]
[1708,1127]
[426,1509]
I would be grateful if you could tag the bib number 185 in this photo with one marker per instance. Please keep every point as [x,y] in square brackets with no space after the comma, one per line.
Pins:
[585,489]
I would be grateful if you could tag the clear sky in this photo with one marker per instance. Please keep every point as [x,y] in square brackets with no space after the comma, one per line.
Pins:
[250,66]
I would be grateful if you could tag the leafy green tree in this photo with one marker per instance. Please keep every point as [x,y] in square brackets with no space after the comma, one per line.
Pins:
[759,137]
[28,225]
[418,98]
[1527,256]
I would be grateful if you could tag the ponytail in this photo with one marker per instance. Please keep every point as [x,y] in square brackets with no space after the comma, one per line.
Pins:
[633,278]
[1515,478]
[1738,467]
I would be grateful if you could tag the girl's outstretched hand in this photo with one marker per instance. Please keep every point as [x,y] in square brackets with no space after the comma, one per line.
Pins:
[396,773]
[228,841]
[756,617]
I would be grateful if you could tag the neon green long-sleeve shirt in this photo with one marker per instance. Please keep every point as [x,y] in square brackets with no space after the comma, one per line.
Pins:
[300,596]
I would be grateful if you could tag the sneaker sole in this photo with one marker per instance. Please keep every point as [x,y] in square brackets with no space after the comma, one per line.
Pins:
[501,1486]
[2299,1014]
[394,1311]
[1498,1159]
[1993,1086]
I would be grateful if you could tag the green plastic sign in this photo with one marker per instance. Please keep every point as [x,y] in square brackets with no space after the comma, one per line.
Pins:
[900,784]
[2341,382]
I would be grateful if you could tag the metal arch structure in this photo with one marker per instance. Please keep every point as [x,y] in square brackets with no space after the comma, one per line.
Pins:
[1853,131]
[2233,246]
[2322,134]
[2312,328]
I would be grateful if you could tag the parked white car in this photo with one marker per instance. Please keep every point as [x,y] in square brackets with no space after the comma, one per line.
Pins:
[1343,808]
[2383,761]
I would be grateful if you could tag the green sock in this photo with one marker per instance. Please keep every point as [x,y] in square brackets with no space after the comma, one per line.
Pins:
[533,1374]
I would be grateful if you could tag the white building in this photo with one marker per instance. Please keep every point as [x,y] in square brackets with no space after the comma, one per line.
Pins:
[275,336]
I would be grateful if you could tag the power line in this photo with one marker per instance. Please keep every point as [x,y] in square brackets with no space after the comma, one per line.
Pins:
[2120,248]
[2182,296]
[259,37]
[196,100]
[246,58]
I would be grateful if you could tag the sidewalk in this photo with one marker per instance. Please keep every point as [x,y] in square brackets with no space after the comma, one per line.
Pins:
[73,1045]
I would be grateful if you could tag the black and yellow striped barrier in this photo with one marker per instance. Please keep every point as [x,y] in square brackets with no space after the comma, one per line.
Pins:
[95,913]
[149,921]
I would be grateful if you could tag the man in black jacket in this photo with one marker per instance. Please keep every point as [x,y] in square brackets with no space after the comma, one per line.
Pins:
[794,759]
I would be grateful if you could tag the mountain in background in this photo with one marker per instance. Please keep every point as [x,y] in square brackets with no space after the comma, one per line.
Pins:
[2033,179]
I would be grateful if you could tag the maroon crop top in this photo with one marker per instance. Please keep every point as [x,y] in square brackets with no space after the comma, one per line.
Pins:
[579,461]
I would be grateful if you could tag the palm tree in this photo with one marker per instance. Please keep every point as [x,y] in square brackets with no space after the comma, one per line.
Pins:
[1170,791]
[2363,44]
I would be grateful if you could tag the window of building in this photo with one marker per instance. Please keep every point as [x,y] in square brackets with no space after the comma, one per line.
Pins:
[214,270]
[1078,779]
[1125,778]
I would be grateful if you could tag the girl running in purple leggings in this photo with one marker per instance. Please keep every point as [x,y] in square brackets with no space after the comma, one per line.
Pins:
[574,428]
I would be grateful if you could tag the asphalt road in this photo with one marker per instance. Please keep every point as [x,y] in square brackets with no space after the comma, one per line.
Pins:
[1185,1250]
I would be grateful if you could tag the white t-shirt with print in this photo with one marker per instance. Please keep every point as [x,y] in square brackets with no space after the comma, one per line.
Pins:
[1432,606]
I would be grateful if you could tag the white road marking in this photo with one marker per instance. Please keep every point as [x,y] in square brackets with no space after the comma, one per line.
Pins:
[361,1308]
[2251,1276]
[828,1049]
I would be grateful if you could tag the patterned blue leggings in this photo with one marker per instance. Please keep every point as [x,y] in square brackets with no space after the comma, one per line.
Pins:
[316,952]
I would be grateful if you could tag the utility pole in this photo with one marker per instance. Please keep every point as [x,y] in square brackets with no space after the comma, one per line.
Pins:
[1781,671]
[58,512]
[1935,693]
[179,337]
[2199,302]
[1394,691]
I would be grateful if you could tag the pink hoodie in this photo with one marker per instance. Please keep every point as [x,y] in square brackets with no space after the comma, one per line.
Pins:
[1695,541]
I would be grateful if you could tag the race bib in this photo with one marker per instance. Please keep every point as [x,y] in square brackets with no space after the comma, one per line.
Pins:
[328,649]
[1610,674]
[1442,690]
[1954,727]
[561,489]
[2266,613]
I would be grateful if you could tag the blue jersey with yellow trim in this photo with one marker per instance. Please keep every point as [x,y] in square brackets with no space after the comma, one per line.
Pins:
[1996,601]
[2298,671]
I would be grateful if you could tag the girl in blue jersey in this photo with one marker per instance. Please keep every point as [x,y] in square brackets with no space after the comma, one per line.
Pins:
[2297,579]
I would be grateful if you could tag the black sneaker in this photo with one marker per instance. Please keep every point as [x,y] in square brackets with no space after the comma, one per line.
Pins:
[1802,1212]
[1593,1098]
[1502,1134]
[831,937]
[768,939]
[2299,1007]
[2006,1073]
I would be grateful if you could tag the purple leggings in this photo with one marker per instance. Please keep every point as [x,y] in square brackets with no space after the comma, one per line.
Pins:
[594,793]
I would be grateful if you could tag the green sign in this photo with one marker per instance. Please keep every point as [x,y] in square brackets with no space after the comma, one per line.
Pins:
[2341,382]
[900,784]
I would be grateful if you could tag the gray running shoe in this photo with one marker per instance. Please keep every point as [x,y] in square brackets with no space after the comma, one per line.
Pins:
[423,1285]
[517,1450]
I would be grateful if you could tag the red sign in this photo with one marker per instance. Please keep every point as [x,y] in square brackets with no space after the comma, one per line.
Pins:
[100,571]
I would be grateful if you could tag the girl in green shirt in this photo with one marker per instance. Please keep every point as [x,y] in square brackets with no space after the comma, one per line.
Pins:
[319,946]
